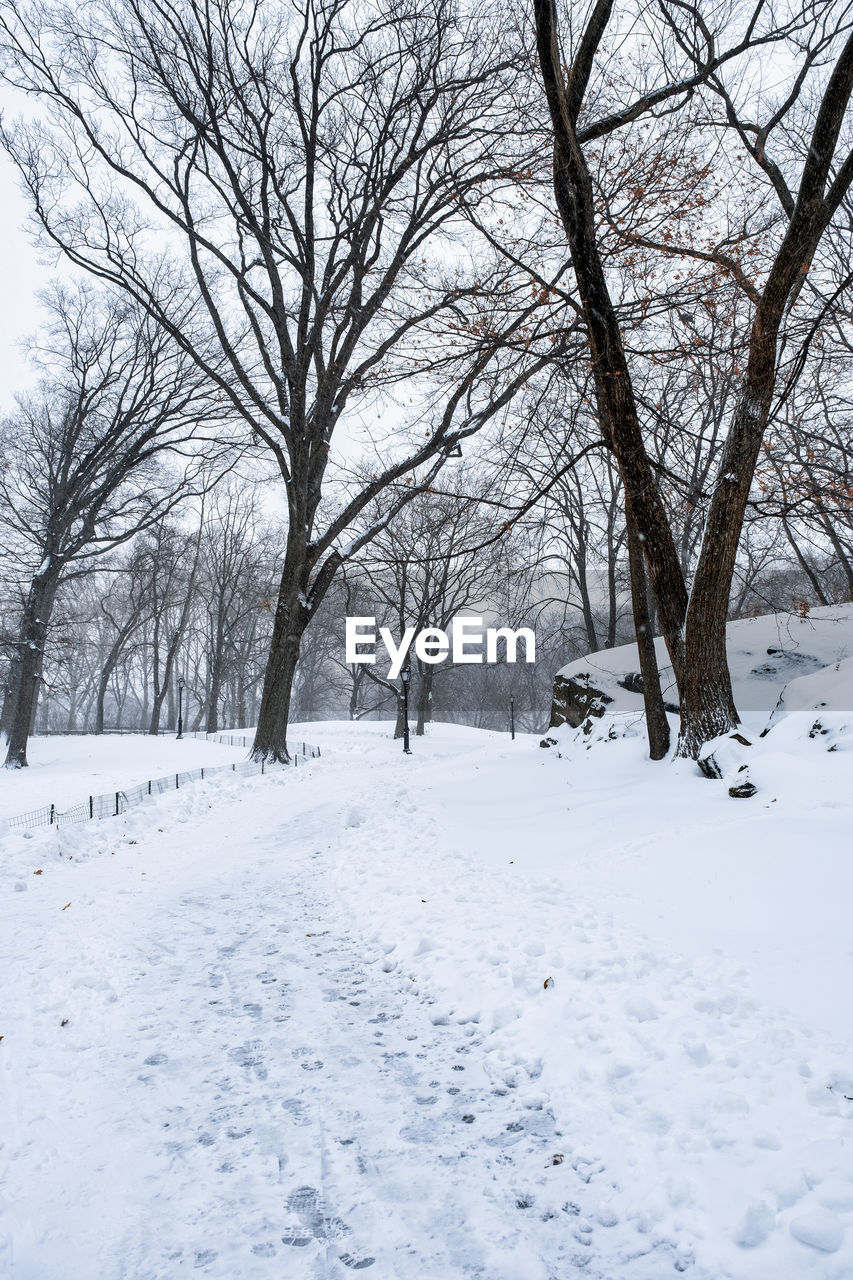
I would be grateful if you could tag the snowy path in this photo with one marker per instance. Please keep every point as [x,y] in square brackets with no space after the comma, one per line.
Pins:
[296,1027]
[267,1100]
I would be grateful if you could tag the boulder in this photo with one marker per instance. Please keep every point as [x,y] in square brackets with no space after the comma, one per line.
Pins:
[577,699]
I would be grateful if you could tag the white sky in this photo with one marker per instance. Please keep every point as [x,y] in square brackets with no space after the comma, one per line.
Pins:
[21,276]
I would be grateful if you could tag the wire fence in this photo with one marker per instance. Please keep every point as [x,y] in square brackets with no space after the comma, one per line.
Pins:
[227,739]
[113,803]
[105,732]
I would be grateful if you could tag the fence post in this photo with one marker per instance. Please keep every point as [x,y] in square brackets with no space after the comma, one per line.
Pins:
[202,775]
[149,786]
[118,793]
[91,806]
[52,813]
[177,781]
[234,767]
[262,765]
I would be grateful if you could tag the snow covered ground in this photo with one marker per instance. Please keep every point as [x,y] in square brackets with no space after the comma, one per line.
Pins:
[64,770]
[485,1011]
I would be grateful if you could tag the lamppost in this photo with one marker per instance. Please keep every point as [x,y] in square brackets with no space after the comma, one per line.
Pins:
[181,707]
[512,717]
[405,676]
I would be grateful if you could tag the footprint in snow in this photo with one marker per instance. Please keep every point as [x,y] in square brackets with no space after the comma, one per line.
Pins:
[317,1224]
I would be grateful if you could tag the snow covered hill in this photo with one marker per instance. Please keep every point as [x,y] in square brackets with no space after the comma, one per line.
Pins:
[483,1011]
[765,655]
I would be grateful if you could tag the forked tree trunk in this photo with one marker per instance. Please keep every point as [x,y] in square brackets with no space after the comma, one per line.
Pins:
[107,672]
[695,630]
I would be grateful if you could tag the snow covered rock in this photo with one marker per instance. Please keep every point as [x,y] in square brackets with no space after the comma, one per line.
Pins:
[829,694]
[723,757]
[576,699]
[781,660]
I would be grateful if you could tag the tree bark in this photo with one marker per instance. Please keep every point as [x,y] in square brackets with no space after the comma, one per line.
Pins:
[27,666]
[216,664]
[107,671]
[400,725]
[657,725]
[424,700]
[694,630]
[291,618]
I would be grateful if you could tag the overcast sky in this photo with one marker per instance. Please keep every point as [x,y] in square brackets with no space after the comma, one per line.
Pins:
[22,276]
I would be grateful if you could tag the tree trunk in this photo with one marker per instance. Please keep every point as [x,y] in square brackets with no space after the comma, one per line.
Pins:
[106,675]
[9,694]
[424,701]
[291,619]
[614,392]
[356,681]
[400,725]
[707,702]
[695,630]
[657,725]
[156,711]
[212,720]
[27,665]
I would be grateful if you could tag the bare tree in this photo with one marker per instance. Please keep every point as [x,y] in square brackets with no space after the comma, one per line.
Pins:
[228,582]
[84,462]
[312,162]
[694,55]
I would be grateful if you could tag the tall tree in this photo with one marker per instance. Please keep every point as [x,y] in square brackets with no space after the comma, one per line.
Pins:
[83,462]
[311,162]
[694,621]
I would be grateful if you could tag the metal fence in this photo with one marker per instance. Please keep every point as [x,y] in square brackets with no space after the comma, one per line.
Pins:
[112,803]
[227,739]
[104,732]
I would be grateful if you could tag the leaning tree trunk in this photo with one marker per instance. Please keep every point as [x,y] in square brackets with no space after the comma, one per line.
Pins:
[27,666]
[614,393]
[707,702]
[107,672]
